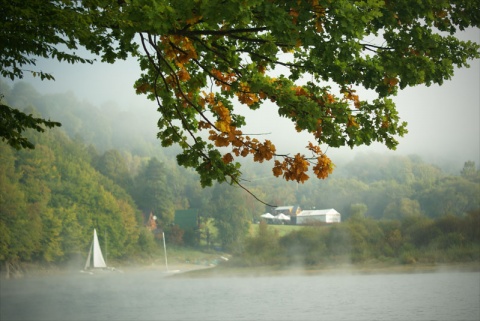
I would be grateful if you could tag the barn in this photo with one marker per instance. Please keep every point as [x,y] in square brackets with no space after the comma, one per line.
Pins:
[318,216]
[186,219]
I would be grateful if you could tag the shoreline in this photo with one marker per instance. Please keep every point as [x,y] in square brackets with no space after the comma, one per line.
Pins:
[189,270]
[34,270]
[341,269]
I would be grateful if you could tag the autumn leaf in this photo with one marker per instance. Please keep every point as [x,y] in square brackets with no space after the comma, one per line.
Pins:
[324,167]
[223,126]
[245,96]
[352,122]
[183,74]
[227,158]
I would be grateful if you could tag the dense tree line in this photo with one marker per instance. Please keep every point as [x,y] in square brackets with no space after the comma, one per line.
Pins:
[412,239]
[395,186]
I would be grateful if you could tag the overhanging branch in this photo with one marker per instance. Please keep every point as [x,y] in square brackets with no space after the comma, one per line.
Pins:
[219,32]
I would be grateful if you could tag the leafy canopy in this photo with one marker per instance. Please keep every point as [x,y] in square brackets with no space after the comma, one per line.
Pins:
[203,61]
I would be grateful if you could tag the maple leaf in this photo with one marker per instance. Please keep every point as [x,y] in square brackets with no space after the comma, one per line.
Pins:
[142,88]
[277,169]
[204,125]
[227,158]
[223,126]
[352,122]
[324,167]
[245,151]
[183,74]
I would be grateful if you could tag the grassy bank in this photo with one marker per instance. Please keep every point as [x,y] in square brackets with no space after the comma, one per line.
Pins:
[281,230]
[341,269]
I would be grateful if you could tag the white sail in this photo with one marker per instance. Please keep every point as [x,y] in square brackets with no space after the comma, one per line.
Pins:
[96,252]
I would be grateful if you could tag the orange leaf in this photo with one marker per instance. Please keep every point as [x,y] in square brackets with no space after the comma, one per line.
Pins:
[227,158]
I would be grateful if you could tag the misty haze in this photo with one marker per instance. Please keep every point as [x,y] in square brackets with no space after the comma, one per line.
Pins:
[240,160]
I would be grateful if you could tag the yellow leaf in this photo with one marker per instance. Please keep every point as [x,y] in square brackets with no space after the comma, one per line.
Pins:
[222,126]
[352,122]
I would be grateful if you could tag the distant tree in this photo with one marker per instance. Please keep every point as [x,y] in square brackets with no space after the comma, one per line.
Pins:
[470,172]
[358,210]
[71,231]
[393,236]
[419,230]
[265,243]
[366,237]
[152,191]
[198,56]
[339,241]
[113,165]
[230,216]
[175,235]
[339,193]
[196,195]
[472,222]
[452,195]
[426,176]
[402,207]
[383,193]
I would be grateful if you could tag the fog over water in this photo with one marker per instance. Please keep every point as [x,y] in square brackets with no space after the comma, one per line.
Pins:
[152,296]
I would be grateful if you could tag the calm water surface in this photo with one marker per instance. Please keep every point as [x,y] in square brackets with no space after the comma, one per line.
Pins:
[151,296]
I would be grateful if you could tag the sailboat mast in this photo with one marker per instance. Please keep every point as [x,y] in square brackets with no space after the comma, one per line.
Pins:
[165,250]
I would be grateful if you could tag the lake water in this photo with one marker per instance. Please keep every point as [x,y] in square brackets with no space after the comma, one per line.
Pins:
[152,296]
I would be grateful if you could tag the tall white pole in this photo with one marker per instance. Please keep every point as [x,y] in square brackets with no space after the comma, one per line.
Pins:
[165,250]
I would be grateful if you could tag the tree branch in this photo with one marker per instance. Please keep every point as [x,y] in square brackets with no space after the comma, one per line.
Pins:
[248,191]
[219,32]
[370,46]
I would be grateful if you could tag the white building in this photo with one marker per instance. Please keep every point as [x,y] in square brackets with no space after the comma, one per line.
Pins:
[317,216]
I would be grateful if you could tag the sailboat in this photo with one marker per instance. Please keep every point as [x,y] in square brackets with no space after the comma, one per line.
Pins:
[95,260]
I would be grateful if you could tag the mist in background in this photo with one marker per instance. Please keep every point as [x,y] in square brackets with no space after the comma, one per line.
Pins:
[443,121]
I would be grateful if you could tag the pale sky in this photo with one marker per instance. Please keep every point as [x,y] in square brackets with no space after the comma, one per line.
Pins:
[443,121]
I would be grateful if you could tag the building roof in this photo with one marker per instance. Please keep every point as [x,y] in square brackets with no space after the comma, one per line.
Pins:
[318,212]
[186,218]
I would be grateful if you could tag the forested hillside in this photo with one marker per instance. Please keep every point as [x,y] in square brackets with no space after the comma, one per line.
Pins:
[103,169]
[52,198]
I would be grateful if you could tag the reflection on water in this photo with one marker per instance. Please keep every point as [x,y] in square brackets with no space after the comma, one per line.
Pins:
[152,296]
